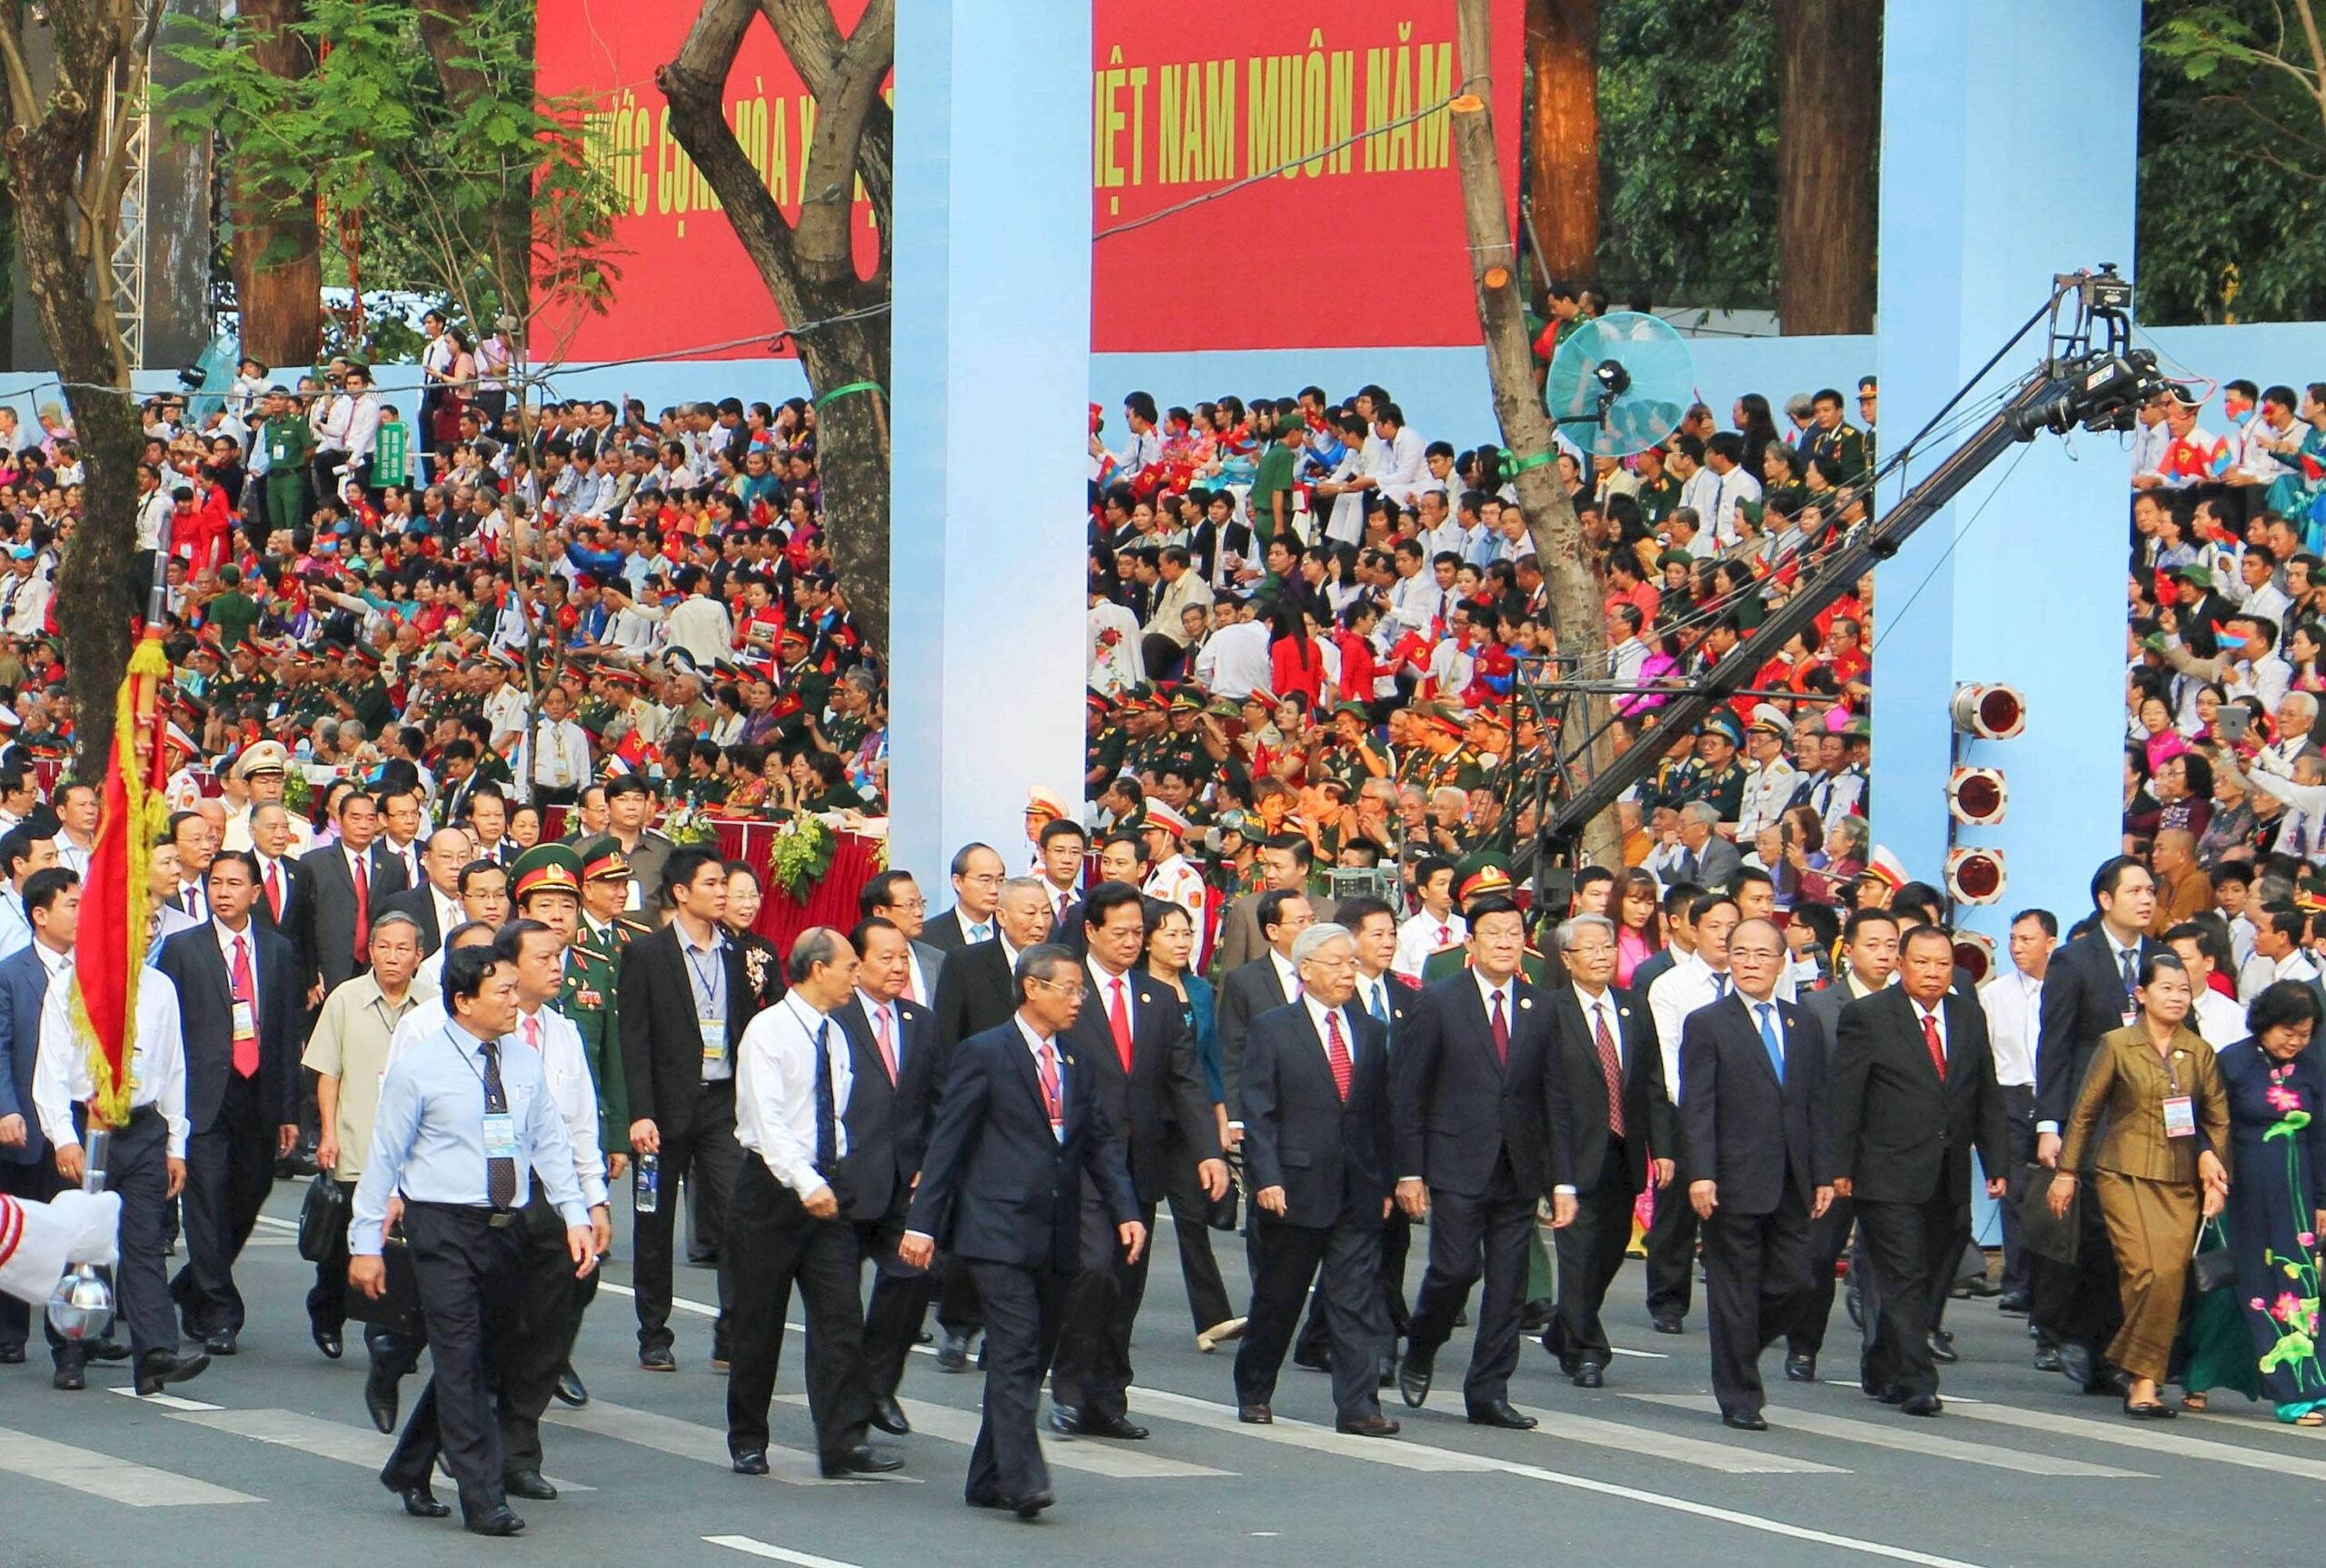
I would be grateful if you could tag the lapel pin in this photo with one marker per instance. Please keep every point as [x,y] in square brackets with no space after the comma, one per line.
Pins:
[1526,1002]
[1624,1012]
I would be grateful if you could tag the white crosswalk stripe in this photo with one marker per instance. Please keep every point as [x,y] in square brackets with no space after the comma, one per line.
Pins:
[2126,1434]
[103,1475]
[357,1445]
[947,1423]
[688,1440]
[1729,1458]
[1911,1440]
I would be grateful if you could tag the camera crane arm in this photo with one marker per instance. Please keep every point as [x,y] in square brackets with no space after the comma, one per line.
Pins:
[2077,386]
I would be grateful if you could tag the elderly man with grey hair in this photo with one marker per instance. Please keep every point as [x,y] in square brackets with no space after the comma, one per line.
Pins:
[1315,1099]
[1705,858]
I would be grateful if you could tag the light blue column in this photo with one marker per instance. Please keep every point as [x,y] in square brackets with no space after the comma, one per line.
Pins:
[991,334]
[2008,148]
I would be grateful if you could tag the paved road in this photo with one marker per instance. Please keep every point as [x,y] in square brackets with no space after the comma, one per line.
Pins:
[269,1457]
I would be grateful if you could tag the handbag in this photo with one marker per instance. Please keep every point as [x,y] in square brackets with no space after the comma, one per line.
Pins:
[2216,1266]
[1222,1211]
[396,1310]
[2040,1232]
[323,1220]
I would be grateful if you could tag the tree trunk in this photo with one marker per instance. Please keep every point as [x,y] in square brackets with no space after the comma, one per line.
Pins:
[444,28]
[1563,58]
[1572,578]
[278,255]
[810,269]
[1829,78]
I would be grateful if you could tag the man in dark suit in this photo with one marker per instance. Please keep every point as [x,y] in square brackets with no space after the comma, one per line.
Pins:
[1869,958]
[978,876]
[684,999]
[26,1171]
[242,1009]
[286,891]
[1755,1142]
[1316,1145]
[894,896]
[2087,991]
[1266,982]
[1479,1140]
[349,883]
[1913,1093]
[1018,1127]
[974,987]
[1606,1062]
[894,1056]
[1141,1057]
[434,905]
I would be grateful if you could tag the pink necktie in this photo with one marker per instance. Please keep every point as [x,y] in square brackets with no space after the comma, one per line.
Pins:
[1501,1032]
[534,1032]
[1049,1075]
[246,992]
[881,1035]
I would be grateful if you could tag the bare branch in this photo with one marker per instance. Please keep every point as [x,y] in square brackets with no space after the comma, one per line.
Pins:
[811,37]
[826,227]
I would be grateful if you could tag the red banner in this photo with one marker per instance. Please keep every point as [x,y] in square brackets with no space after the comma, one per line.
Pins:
[1350,236]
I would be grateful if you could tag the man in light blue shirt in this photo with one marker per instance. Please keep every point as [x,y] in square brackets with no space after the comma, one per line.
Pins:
[463,1130]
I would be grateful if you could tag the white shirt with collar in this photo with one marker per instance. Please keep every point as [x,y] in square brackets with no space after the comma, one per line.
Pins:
[709,959]
[1687,985]
[2220,1020]
[565,1068]
[880,1014]
[248,936]
[2014,1005]
[1488,990]
[61,1078]
[1102,993]
[1599,1009]
[1422,934]
[1369,986]
[1936,1015]
[409,857]
[775,1091]
[1287,974]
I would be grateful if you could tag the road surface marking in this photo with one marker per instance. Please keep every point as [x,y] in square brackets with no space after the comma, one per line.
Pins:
[1917,1439]
[103,1475]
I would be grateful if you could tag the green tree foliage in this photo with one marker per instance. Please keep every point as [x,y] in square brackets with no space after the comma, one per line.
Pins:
[1689,136]
[449,175]
[2233,170]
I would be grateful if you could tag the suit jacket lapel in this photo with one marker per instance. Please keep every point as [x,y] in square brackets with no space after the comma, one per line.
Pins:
[215,962]
[1753,1033]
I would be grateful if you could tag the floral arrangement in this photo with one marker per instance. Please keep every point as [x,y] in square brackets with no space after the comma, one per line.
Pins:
[2295,1310]
[689,828]
[803,853]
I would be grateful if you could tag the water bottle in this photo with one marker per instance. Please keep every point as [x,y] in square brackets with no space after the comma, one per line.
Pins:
[646,1186]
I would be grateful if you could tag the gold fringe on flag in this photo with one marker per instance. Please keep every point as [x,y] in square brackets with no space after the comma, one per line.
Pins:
[135,751]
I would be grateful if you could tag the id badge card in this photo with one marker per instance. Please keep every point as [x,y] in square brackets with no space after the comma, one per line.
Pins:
[2132,1014]
[499,1136]
[245,1021]
[714,1041]
[2179,1116]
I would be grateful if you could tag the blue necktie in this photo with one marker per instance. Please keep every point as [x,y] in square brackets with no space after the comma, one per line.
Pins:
[1379,1008]
[1771,1040]
[827,1111]
[1720,985]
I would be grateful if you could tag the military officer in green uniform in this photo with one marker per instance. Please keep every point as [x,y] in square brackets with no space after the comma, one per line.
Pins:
[1103,745]
[606,923]
[1714,775]
[1182,746]
[1834,437]
[289,441]
[1454,762]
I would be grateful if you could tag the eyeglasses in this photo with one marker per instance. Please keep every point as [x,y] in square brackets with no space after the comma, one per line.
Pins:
[1073,989]
[993,882]
[908,904]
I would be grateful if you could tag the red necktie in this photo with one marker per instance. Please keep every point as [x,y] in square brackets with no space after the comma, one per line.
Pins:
[881,1037]
[1336,1054]
[246,992]
[1937,1051]
[1501,1032]
[363,912]
[274,889]
[1611,1067]
[1118,1021]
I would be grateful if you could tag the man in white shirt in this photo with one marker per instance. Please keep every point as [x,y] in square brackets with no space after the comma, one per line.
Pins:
[1233,660]
[700,625]
[21,855]
[1405,471]
[1437,926]
[787,1222]
[76,816]
[2013,1001]
[2277,954]
[565,763]
[2150,439]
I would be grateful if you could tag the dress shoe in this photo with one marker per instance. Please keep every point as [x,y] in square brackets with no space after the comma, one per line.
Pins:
[2047,1358]
[658,1359]
[158,1368]
[70,1379]
[1311,1360]
[1887,1393]
[422,1503]
[529,1486]
[12,1356]
[222,1342]
[1941,1347]
[1375,1425]
[1588,1375]
[954,1355]
[862,1459]
[1500,1413]
[328,1341]
[380,1398]
[1461,1317]
[1921,1404]
[1414,1374]
[1033,1502]
[1801,1368]
[1219,1334]
[569,1389]
[1256,1415]
[2152,1410]
[1115,1426]
[108,1350]
[2017,1303]
[1665,1324]
[500,1521]
[1536,1316]
[889,1415]
[1744,1421]
[749,1461]
[720,1363]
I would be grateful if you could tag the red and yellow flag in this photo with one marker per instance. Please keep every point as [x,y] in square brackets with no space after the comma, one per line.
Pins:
[115,917]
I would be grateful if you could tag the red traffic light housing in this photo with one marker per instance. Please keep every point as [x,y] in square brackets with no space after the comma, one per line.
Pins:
[1988,712]
[1977,797]
[1974,954]
[1975,876]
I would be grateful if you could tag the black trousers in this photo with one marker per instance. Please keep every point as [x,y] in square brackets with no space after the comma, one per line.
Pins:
[137,1167]
[1207,1301]
[2019,1110]
[1316,1343]
[1757,1279]
[34,1183]
[1911,1249]
[709,1154]
[769,1242]
[544,1312]
[1829,1235]
[899,1297]
[956,1289]
[1093,1370]
[1671,1253]
[1024,1311]
[229,1171]
[1590,1255]
[327,1302]
[2079,1303]
[1349,1291]
[1475,1234]
[471,1273]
